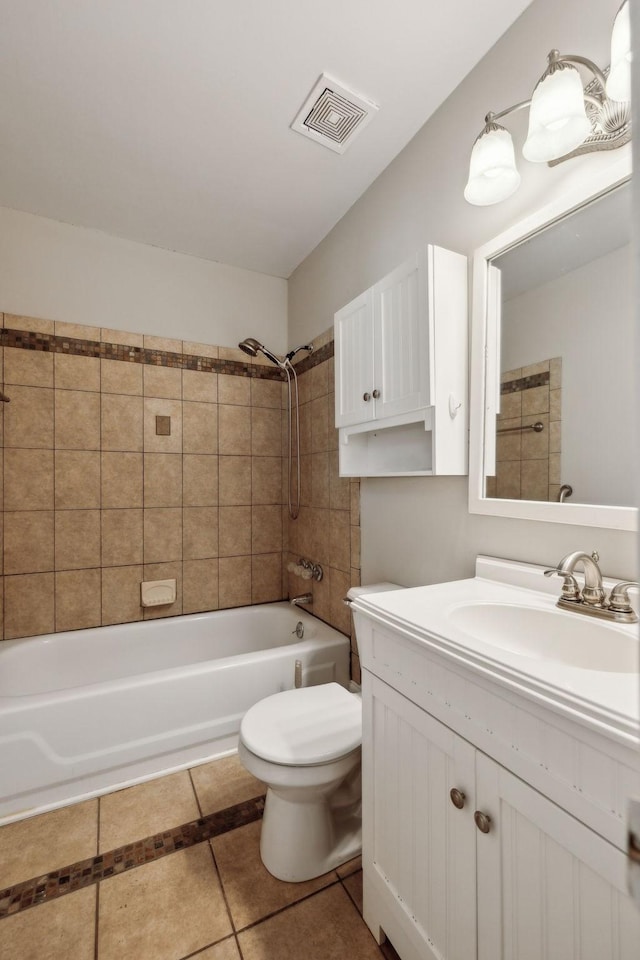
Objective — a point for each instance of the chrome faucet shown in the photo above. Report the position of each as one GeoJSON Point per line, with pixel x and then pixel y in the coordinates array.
{"type": "Point", "coordinates": [592, 599]}
{"type": "Point", "coordinates": [306, 599]}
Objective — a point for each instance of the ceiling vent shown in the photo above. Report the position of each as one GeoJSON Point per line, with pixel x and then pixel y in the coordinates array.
{"type": "Point", "coordinates": [333, 115]}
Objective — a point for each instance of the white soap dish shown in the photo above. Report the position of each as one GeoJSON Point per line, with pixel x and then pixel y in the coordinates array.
{"type": "Point", "coordinates": [156, 593]}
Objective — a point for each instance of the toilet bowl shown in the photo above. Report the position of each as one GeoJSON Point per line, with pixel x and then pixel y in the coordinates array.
{"type": "Point", "coordinates": [305, 745]}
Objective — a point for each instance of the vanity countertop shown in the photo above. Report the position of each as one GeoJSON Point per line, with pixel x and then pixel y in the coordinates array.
{"type": "Point", "coordinates": [455, 620]}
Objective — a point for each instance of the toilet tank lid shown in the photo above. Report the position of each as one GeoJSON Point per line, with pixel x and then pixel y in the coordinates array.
{"type": "Point", "coordinates": [304, 727]}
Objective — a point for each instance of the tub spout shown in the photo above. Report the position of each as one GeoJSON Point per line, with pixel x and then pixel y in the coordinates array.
{"type": "Point", "coordinates": [305, 599]}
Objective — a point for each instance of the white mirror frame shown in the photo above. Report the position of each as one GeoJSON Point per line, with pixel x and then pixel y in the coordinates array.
{"type": "Point", "coordinates": [592, 515]}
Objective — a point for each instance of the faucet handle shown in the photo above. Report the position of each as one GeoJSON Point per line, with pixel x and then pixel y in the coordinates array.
{"type": "Point", "coordinates": [570, 588]}
{"type": "Point", "coordinates": [619, 597]}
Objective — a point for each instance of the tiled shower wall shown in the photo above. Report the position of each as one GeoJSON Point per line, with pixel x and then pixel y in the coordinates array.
{"type": "Point", "coordinates": [327, 530]}
{"type": "Point", "coordinates": [97, 498]}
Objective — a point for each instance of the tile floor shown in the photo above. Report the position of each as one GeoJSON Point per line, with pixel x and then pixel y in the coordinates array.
{"type": "Point", "coordinates": [212, 901]}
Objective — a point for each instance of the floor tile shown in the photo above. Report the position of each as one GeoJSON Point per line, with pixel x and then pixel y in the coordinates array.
{"type": "Point", "coordinates": [29, 848]}
{"type": "Point", "coordinates": [323, 927]}
{"type": "Point", "coordinates": [351, 866]}
{"type": "Point", "coordinates": [164, 910]}
{"type": "Point", "coordinates": [227, 950]}
{"type": "Point", "coordinates": [353, 886]}
{"type": "Point", "coordinates": [251, 892]}
{"type": "Point", "coordinates": [52, 931]}
{"type": "Point", "coordinates": [148, 808]}
{"type": "Point", "coordinates": [224, 782]}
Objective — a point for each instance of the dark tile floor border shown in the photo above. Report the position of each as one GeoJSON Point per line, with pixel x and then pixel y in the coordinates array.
{"type": "Point", "coordinates": [84, 873]}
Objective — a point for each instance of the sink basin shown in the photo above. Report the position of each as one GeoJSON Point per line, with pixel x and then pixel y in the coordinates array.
{"type": "Point", "coordinates": [542, 634]}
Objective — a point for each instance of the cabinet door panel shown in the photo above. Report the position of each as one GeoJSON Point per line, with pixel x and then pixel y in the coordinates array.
{"type": "Point", "coordinates": [418, 847]}
{"type": "Point", "coordinates": [353, 343]}
{"type": "Point", "coordinates": [401, 322]}
{"type": "Point", "coordinates": [548, 887]}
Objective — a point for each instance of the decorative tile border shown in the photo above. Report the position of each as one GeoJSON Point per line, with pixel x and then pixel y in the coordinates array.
{"type": "Point", "coordinates": [525, 383]}
{"type": "Point", "coordinates": [70, 346]}
{"type": "Point", "coordinates": [84, 873]}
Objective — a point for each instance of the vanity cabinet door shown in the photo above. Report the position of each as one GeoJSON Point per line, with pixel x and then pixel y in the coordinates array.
{"type": "Point", "coordinates": [419, 849]}
{"type": "Point", "coordinates": [353, 344]}
{"type": "Point", "coordinates": [548, 886]}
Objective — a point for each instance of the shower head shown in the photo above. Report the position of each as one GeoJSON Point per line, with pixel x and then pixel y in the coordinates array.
{"type": "Point", "coordinates": [307, 346]}
{"type": "Point", "coordinates": [253, 348]}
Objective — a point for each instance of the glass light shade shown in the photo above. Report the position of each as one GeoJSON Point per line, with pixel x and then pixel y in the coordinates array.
{"type": "Point", "coordinates": [619, 79]}
{"type": "Point", "coordinates": [492, 171]}
{"type": "Point", "coordinates": [558, 122]}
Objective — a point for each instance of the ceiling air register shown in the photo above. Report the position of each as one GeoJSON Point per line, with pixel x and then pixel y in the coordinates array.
{"type": "Point", "coordinates": [333, 115]}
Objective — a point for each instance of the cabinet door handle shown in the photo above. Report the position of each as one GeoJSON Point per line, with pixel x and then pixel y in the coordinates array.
{"type": "Point", "coordinates": [376, 394]}
{"type": "Point", "coordinates": [366, 397]}
{"type": "Point", "coordinates": [457, 798]}
{"type": "Point", "coordinates": [483, 821]}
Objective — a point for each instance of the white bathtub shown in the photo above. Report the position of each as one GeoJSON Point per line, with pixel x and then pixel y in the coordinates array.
{"type": "Point", "coordinates": [89, 711]}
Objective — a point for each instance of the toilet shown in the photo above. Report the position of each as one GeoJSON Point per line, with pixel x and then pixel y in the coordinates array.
{"type": "Point", "coordinates": [305, 744]}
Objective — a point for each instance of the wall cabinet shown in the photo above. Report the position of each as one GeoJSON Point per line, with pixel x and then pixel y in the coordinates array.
{"type": "Point", "coordinates": [401, 370]}
{"type": "Point", "coordinates": [539, 883]}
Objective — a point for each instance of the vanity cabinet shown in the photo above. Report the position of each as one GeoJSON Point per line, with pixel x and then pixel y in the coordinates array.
{"type": "Point", "coordinates": [540, 883]}
{"type": "Point", "coordinates": [401, 370]}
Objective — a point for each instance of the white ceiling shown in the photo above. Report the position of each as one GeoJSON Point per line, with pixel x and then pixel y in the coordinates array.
{"type": "Point", "coordinates": [167, 121]}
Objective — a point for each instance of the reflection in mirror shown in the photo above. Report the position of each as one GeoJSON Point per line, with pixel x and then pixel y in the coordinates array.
{"type": "Point", "coordinates": [565, 427]}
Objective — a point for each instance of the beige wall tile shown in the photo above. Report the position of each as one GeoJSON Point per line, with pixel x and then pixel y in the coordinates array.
{"type": "Point", "coordinates": [234, 580]}
{"type": "Point", "coordinates": [354, 496]}
{"type": "Point", "coordinates": [266, 479]}
{"type": "Point", "coordinates": [508, 480]}
{"type": "Point", "coordinates": [339, 487]}
{"type": "Point", "coordinates": [76, 331]}
{"type": "Point", "coordinates": [306, 479]}
{"type": "Point", "coordinates": [356, 673]}
{"type": "Point", "coordinates": [200, 480]}
{"type": "Point", "coordinates": [555, 436]}
{"type": "Point", "coordinates": [162, 408]}
{"type": "Point", "coordinates": [266, 393]}
{"type": "Point", "coordinates": [77, 539]}
{"type": "Point", "coordinates": [235, 480]}
{"type": "Point", "coordinates": [77, 423]}
{"type": "Point", "coordinates": [535, 400]}
{"type": "Point", "coordinates": [28, 479]}
{"type": "Point", "coordinates": [199, 349]}
{"type": "Point", "coordinates": [121, 537]}
{"type": "Point", "coordinates": [28, 541]}
{"type": "Point", "coordinates": [555, 468]}
{"type": "Point", "coordinates": [109, 335]}
{"type": "Point", "coordinates": [355, 546]}
{"type": "Point", "coordinates": [320, 380]}
{"type": "Point", "coordinates": [200, 427]}
{"type": "Point", "coordinates": [305, 428]}
{"type": "Point", "coordinates": [320, 479]}
{"type": "Point", "coordinates": [321, 595]}
{"type": "Point", "coordinates": [534, 484]}
{"type": "Point", "coordinates": [121, 423]}
{"type": "Point", "coordinates": [234, 531]}
{"type": "Point", "coordinates": [532, 369]}
{"type": "Point", "coordinates": [332, 433]}
{"type": "Point", "coordinates": [304, 387]}
{"type": "Point", "coordinates": [555, 404]}
{"type": "Point", "coordinates": [162, 534]}
{"type": "Point", "coordinates": [266, 529]}
{"type": "Point", "coordinates": [555, 373]}
{"type": "Point", "coordinates": [266, 432]}
{"type": "Point", "coordinates": [78, 600]}
{"type": "Point", "coordinates": [319, 424]}
{"type": "Point", "coordinates": [28, 605]}
{"type": "Point", "coordinates": [508, 375]}
{"type": "Point", "coordinates": [163, 382]}
{"type": "Point", "coordinates": [509, 445]}
{"type": "Point", "coordinates": [118, 376]}
{"type": "Point", "coordinates": [121, 480]}
{"type": "Point", "coordinates": [266, 578]}
{"type": "Point", "coordinates": [535, 446]}
{"type": "Point", "coordinates": [340, 614]}
{"type": "Point", "coordinates": [121, 594]}
{"type": "Point", "coordinates": [200, 385]}
{"type": "Point", "coordinates": [510, 405]}
{"type": "Point", "coordinates": [162, 343]}
{"type": "Point", "coordinates": [339, 540]}
{"type": "Point", "coordinates": [76, 373]}
{"type": "Point", "coordinates": [554, 491]}
{"type": "Point", "coordinates": [34, 324]}
{"type": "Point", "coordinates": [31, 368]}
{"type": "Point", "coordinates": [200, 536]}
{"type": "Point", "coordinates": [162, 480]}
{"type": "Point", "coordinates": [234, 390]}
{"type": "Point", "coordinates": [200, 587]}
{"type": "Point", "coordinates": [28, 419]}
{"type": "Point", "coordinates": [234, 437]}
{"type": "Point", "coordinates": [77, 479]}
{"type": "Point", "coordinates": [233, 353]}
{"type": "Point", "coordinates": [164, 571]}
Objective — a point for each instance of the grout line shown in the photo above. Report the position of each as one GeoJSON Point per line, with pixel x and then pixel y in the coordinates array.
{"type": "Point", "coordinates": [84, 873]}
{"type": "Point", "coordinates": [287, 906]}
{"type": "Point", "coordinates": [97, 922]}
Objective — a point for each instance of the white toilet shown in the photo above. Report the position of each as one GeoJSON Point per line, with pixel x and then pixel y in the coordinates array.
{"type": "Point", "coordinates": [305, 744]}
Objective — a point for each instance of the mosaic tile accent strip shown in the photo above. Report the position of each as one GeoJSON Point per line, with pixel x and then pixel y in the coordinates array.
{"type": "Point", "coordinates": [313, 359]}
{"type": "Point", "coordinates": [70, 346]}
{"type": "Point", "coordinates": [84, 873]}
{"type": "Point", "coordinates": [525, 383]}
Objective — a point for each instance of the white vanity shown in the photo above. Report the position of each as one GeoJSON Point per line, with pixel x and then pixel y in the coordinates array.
{"type": "Point", "coordinates": [499, 752]}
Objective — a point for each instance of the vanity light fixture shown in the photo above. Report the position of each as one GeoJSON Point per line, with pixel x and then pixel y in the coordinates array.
{"type": "Point", "coordinates": [565, 119]}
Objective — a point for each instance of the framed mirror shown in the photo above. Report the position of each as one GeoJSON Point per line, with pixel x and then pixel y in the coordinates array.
{"type": "Point", "coordinates": [553, 396]}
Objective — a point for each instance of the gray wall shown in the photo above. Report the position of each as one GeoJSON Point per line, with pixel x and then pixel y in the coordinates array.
{"type": "Point", "coordinates": [419, 530]}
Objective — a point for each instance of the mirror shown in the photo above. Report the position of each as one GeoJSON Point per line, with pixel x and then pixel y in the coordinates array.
{"type": "Point", "coordinates": [553, 366]}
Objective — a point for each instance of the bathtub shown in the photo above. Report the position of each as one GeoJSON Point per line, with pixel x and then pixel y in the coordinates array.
{"type": "Point", "coordinates": [89, 711]}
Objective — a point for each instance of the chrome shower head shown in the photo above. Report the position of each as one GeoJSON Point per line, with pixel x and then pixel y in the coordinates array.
{"type": "Point", "coordinates": [253, 347]}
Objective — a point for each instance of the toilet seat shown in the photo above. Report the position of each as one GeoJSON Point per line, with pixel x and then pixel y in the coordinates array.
{"type": "Point", "coordinates": [304, 727]}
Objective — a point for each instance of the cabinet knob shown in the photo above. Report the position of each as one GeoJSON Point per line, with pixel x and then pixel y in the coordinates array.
{"type": "Point", "coordinates": [366, 397]}
{"type": "Point", "coordinates": [376, 394]}
{"type": "Point", "coordinates": [483, 821]}
{"type": "Point", "coordinates": [457, 798]}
